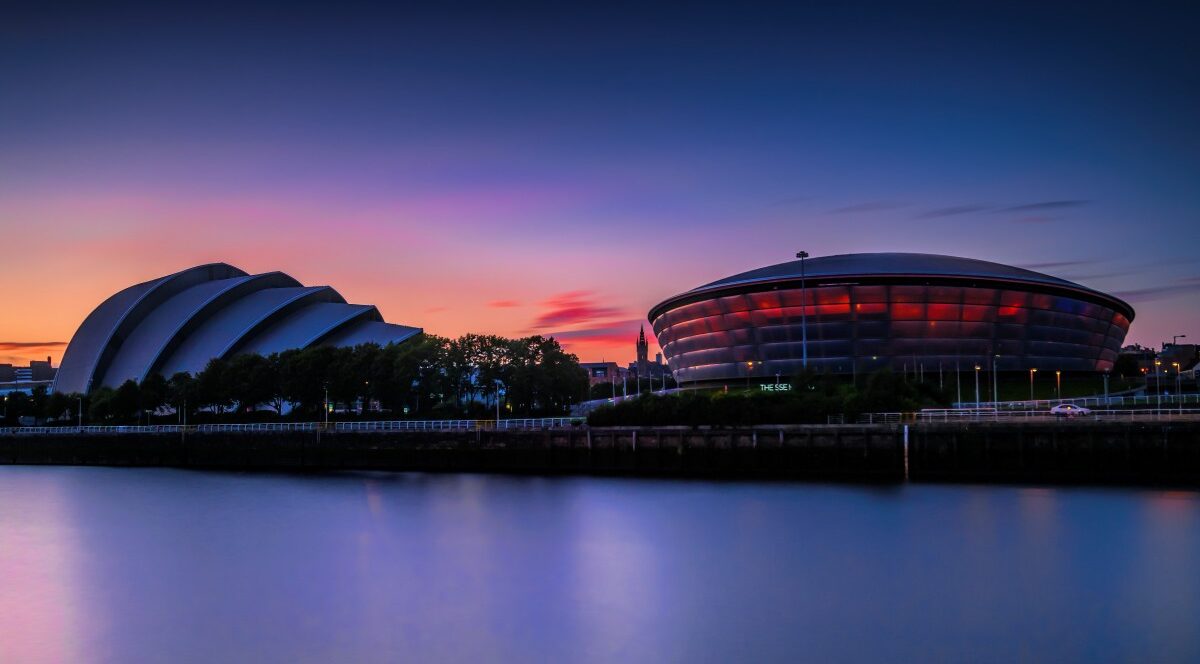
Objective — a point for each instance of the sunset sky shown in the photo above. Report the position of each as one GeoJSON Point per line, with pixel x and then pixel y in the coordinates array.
{"type": "Point", "coordinates": [559, 169]}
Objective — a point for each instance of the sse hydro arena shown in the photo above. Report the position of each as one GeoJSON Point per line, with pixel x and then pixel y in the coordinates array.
{"type": "Point", "coordinates": [866, 312]}
{"type": "Point", "coordinates": [181, 321]}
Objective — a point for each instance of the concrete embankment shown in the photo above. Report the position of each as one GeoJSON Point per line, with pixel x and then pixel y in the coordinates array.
{"type": "Point", "coordinates": [1087, 452]}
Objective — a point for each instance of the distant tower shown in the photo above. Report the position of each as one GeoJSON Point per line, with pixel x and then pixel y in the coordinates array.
{"type": "Point", "coordinates": [643, 353]}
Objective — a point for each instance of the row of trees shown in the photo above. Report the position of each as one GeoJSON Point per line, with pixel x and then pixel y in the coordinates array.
{"type": "Point", "coordinates": [428, 376]}
{"type": "Point", "coordinates": [812, 400]}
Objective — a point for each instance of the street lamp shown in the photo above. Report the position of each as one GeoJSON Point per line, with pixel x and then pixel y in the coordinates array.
{"type": "Point", "coordinates": [1176, 337]}
{"type": "Point", "coordinates": [1178, 387]}
{"type": "Point", "coordinates": [976, 387]}
{"type": "Point", "coordinates": [803, 313]}
{"type": "Point", "coordinates": [1158, 382]}
{"type": "Point", "coordinates": [1058, 383]}
{"type": "Point", "coordinates": [1031, 372]}
{"type": "Point", "coordinates": [499, 385]}
{"type": "Point", "coordinates": [749, 370]}
{"type": "Point", "coordinates": [995, 385]}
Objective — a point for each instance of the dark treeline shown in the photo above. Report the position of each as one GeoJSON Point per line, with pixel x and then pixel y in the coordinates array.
{"type": "Point", "coordinates": [425, 377]}
{"type": "Point", "coordinates": [814, 398]}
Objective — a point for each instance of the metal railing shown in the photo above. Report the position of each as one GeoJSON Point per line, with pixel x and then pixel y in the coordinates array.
{"type": "Point", "coordinates": [388, 425]}
{"type": "Point", "coordinates": [1094, 401]}
{"type": "Point", "coordinates": [1017, 416]}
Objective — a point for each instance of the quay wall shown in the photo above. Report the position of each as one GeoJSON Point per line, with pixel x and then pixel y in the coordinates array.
{"type": "Point", "coordinates": [1068, 452]}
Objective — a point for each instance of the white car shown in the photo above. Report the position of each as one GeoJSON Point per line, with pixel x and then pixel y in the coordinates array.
{"type": "Point", "coordinates": [1069, 410]}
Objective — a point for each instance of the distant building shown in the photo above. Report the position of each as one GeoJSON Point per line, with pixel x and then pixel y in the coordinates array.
{"type": "Point", "coordinates": [39, 370]}
{"type": "Point", "coordinates": [603, 372]}
{"type": "Point", "coordinates": [1142, 356]}
{"type": "Point", "coordinates": [181, 321]}
{"type": "Point", "coordinates": [643, 367]}
{"type": "Point", "coordinates": [25, 379]}
{"type": "Point", "coordinates": [868, 312]}
{"type": "Point", "coordinates": [1183, 354]}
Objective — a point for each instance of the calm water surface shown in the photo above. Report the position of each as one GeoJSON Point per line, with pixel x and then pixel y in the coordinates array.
{"type": "Point", "coordinates": [131, 565]}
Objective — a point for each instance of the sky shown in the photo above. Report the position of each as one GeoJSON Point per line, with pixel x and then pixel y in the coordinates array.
{"type": "Point", "coordinates": [560, 168]}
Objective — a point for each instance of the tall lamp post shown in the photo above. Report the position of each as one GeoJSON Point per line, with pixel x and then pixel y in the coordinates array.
{"type": "Point", "coordinates": [1058, 383]}
{"type": "Point", "coordinates": [803, 313]}
{"type": "Point", "coordinates": [1178, 387]}
{"type": "Point", "coordinates": [1158, 382]}
{"type": "Point", "coordinates": [995, 385]}
{"type": "Point", "coordinates": [499, 386]}
{"type": "Point", "coordinates": [1176, 337]}
{"type": "Point", "coordinates": [977, 388]}
{"type": "Point", "coordinates": [1031, 372]}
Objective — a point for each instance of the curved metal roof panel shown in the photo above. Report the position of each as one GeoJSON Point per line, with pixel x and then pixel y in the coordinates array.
{"type": "Point", "coordinates": [306, 326]}
{"type": "Point", "coordinates": [227, 326]}
{"type": "Point", "coordinates": [80, 357]}
{"type": "Point", "coordinates": [370, 332]}
{"type": "Point", "coordinates": [106, 328]}
{"type": "Point", "coordinates": [138, 352]}
{"type": "Point", "coordinates": [849, 265]}
{"type": "Point", "coordinates": [183, 320]}
{"type": "Point", "coordinates": [874, 265]}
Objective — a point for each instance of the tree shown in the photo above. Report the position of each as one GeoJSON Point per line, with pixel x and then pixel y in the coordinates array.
{"type": "Point", "coordinates": [251, 380]}
{"type": "Point", "coordinates": [182, 395]}
{"type": "Point", "coordinates": [1127, 366]}
{"type": "Point", "coordinates": [152, 393]}
{"type": "Point", "coordinates": [126, 401]}
{"type": "Point", "coordinates": [212, 386]}
{"type": "Point", "coordinates": [100, 405]}
{"type": "Point", "coordinates": [16, 406]}
{"type": "Point", "coordinates": [60, 406]}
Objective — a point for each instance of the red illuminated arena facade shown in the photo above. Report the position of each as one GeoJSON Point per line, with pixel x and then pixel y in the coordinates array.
{"type": "Point", "coordinates": [867, 312]}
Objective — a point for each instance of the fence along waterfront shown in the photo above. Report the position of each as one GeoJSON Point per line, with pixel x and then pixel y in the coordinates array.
{"type": "Point", "coordinates": [389, 425]}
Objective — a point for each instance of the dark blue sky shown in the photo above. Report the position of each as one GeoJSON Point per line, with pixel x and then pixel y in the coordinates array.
{"type": "Point", "coordinates": [622, 151]}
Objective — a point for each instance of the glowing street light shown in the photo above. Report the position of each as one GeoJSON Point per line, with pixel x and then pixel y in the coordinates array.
{"type": "Point", "coordinates": [803, 313]}
{"type": "Point", "coordinates": [1031, 372]}
{"type": "Point", "coordinates": [1058, 383]}
{"type": "Point", "coordinates": [1178, 386]}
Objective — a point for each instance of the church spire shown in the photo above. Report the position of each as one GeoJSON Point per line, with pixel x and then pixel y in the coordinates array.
{"type": "Point", "coordinates": [643, 352]}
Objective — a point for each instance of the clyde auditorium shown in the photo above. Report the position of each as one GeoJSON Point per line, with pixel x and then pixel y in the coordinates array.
{"type": "Point", "coordinates": [181, 321]}
{"type": "Point", "coordinates": [865, 312]}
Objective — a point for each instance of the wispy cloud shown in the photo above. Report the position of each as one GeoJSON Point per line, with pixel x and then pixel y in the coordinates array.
{"type": "Point", "coordinates": [1180, 286]}
{"type": "Point", "coordinates": [574, 308]}
{"type": "Point", "coordinates": [1055, 264]}
{"type": "Point", "coordinates": [952, 211]}
{"type": "Point", "coordinates": [31, 345]}
{"type": "Point", "coordinates": [1044, 205]}
{"type": "Point", "coordinates": [616, 334]}
{"type": "Point", "coordinates": [503, 304]}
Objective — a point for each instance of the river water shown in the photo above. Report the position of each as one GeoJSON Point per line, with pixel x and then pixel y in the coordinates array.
{"type": "Point", "coordinates": [153, 565]}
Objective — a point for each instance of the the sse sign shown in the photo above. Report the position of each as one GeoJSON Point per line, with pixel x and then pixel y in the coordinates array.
{"type": "Point", "coordinates": [776, 387]}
